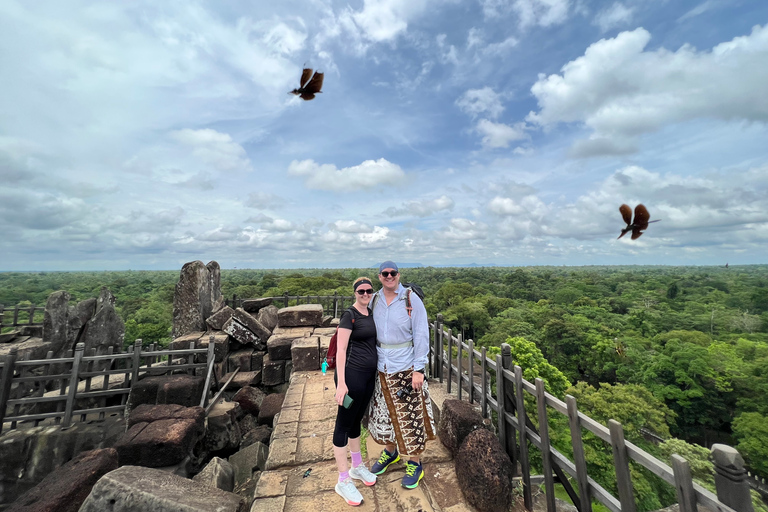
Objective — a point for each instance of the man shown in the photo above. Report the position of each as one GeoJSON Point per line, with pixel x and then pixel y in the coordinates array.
{"type": "Point", "coordinates": [400, 412]}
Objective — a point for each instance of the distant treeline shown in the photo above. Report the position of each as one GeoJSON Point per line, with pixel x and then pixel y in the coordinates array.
{"type": "Point", "coordinates": [683, 349]}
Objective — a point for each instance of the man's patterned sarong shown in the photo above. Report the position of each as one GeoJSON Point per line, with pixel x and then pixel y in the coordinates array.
{"type": "Point", "coordinates": [406, 422]}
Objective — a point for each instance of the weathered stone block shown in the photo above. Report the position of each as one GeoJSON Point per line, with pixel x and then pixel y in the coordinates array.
{"type": "Point", "coordinates": [257, 360]}
{"type": "Point", "coordinates": [252, 324]}
{"type": "Point", "coordinates": [150, 413]}
{"type": "Point", "coordinates": [250, 399]}
{"type": "Point", "coordinates": [243, 379]}
{"type": "Point", "coordinates": [217, 320]}
{"type": "Point", "coordinates": [270, 407]}
{"type": "Point", "coordinates": [241, 333]}
{"type": "Point", "coordinates": [133, 488]}
{"type": "Point", "coordinates": [273, 372]}
{"type": "Point", "coordinates": [457, 420]}
{"type": "Point", "coordinates": [305, 314]}
{"type": "Point", "coordinates": [66, 488]}
{"type": "Point", "coordinates": [487, 486]}
{"type": "Point", "coordinates": [223, 433]}
{"type": "Point", "coordinates": [158, 444]}
{"type": "Point", "coordinates": [305, 354]}
{"type": "Point", "coordinates": [240, 359]}
{"type": "Point", "coordinates": [254, 305]}
{"type": "Point", "coordinates": [144, 392]}
{"type": "Point", "coordinates": [325, 342]}
{"type": "Point", "coordinates": [221, 345]}
{"type": "Point", "coordinates": [186, 390]}
{"type": "Point", "coordinates": [34, 331]}
{"type": "Point", "coordinates": [279, 347]}
{"type": "Point", "coordinates": [268, 317]}
{"type": "Point", "coordinates": [293, 332]}
{"type": "Point", "coordinates": [261, 434]}
{"type": "Point", "coordinates": [248, 460]}
{"type": "Point", "coordinates": [218, 473]}
{"type": "Point", "coordinates": [191, 299]}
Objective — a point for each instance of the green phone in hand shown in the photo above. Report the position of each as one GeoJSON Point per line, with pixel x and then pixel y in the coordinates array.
{"type": "Point", "coordinates": [347, 401]}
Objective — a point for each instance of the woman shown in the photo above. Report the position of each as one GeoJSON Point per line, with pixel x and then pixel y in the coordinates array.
{"type": "Point", "coordinates": [356, 372]}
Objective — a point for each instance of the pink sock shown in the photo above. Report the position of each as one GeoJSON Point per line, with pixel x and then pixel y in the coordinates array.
{"type": "Point", "coordinates": [357, 459]}
{"type": "Point", "coordinates": [343, 476]}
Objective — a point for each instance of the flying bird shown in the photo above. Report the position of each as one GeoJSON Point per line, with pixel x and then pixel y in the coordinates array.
{"type": "Point", "coordinates": [309, 85]}
{"type": "Point", "coordinates": [641, 220]}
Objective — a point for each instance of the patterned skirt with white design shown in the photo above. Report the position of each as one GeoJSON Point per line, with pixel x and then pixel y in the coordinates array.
{"type": "Point", "coordinates": [407, 422]}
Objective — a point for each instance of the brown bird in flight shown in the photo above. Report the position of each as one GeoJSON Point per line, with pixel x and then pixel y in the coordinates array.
{"type": "Point", "coordinates": [641, 220]}
{"type": "Point", "coordinates": [308, 88]}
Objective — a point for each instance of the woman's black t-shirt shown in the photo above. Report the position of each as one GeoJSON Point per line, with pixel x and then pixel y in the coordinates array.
{"type": "Point", "coordinates": [361, 352]}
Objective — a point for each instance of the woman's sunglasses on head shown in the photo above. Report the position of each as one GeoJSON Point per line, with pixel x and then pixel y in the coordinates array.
{"type": "Point", "coordinates": [369, 291]}
{"type": "Point", "coordinates": [387, 273]}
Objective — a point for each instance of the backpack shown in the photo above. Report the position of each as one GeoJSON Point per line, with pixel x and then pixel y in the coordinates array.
{"type": "Point", "coordinates": [330, 357]}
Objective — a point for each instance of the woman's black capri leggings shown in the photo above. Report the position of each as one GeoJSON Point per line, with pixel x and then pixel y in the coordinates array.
{"type": "Point", "coordinates": [360, 384]}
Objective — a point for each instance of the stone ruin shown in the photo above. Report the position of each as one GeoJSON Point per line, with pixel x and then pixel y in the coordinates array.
{"type": "Point", "coordinates": [169, 441]}
{"type": "Point", "coordinates": [93, 322]}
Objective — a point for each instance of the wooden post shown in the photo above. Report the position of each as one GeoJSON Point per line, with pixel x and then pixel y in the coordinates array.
{"type": "Point", "coordinates": [483, 375]}
{"type": "Point", "coordinates": [450, 360]}
{"type": "Point", "coordinates": [209, 369]}
{"type": "Point", "coordinates": [335, 305]}
{"type": "Point", "coordinates": [5, 382]}
{"type": "Point", "coordinates": [686, 496]}
{"type": "Point", "coordinates": [524, 462]}
{"type": "Point", "coordinates": [105, 382]}
{"type": "Point", "coordinates": [546, 452]}
{"type": "Point", "coordinates": [31, 314]}
{"type": "Point", "coordinates": [89, 366]}
{"type": "Point", "coordinates": [2, 318]}
{"type": "Point", "coordinates": [286, 299]}
{"type": "Point", "coordinates": [471, 370]}
{"type": "Point", "coordinates": [16, 316]}
{"type": "Point", "coordinates": [191, 357]}
{"type": "Point", "coordinates": [579, 459]}
{"type": "Point", "coordinates": [460, 378]}
{"type": "Point", "coordinates": [731, 478]}
{"type": "Point", "coordinates": [73, 382]}
{"type": "Point", "coordinates": [621, 464]}
{"type": "Point", "coordinates": [136, 361]}
{"type": "Point", "coordinates": [500, 394]}
{"type": "Point", "coordinates": [439, 347]}
{"type": "Point", "coordinates": [509, 404]}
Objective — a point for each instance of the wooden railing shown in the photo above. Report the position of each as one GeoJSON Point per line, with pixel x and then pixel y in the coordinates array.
{"type": "Point", "coordinates": [20, 315]}
{"type": "Point", "coordinates": [516, 430]}
{"type": "Point", "coordinates": [332, 304]}
{"type": "Point", "coordinates": [86, 379]}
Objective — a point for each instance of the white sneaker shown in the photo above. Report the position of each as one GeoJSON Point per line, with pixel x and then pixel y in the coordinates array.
{"type": "Point", "coordinates": [349, 492]}
{"type": "Point", "coordinates": [361, 473]}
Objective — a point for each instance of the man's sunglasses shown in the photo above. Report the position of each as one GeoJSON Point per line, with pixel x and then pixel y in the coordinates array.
{"type": "Point", "coordinates": [387, 273]}
{"type": "Point", "coordinates": [369, 291]}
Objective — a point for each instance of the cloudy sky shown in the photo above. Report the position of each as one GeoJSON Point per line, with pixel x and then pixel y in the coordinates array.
{"type": "Point", "coordinates": [145, 134]}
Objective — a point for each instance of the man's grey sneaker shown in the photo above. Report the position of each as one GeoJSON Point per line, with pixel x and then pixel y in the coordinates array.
{"type": "Point", "coordinates": [361, 473]}
{"type": "Point", "coordinates": [384, 461]}
{"type": "Point", "coordinates": [349, 492]}
{"type": "Point", "coordinates": [413, 475]}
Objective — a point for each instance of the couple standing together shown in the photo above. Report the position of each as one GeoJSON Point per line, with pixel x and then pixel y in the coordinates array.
{"type": "Point", "coordinates": [382, 350]}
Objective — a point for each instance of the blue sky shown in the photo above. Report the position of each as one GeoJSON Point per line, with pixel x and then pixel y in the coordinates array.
{"type": "Point", "coordinates": [142, 135]}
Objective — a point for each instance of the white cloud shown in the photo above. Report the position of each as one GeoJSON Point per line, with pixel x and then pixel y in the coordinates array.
{"type": "Point", "coordinates": [614, 16]}
{"type": "Point", "coordinates": [541, 12]}
{"type": "Point", "coordinates": [351, 226]}
{"type": "Point", "coordinates": [369, 174]}
{"type": "Point", "coordinates": [505, 206]}
{"type": "Point", "coordinates": [384, 20]}
{"type": "Point", "coordinates": [499, 135]}
{"type": "Point", "coordinates": [379, 234]}
{"type": "Point", "coordinates": [214, 148]}
{"type": "Point", "coordinates": [422, 208]}
{"type": "Point", "coordinates": [264, 200]}
{"type": "Point", "coordinates": [465, 229]}
{"type": "Point", "coordinates": [621, 91]}
{"type": "Point", "coordinates": [475, 102]}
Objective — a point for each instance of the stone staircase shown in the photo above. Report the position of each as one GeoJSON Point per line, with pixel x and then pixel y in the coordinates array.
{"type": "Point", "coordinates": [301, 472]}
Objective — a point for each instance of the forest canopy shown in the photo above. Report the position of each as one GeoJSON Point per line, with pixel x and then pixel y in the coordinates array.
{"type": "Point", "coordinates": [690, 341]}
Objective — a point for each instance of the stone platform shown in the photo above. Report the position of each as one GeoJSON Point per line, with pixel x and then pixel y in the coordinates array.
{"type": "Point", "coordinates": [302, 442]}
